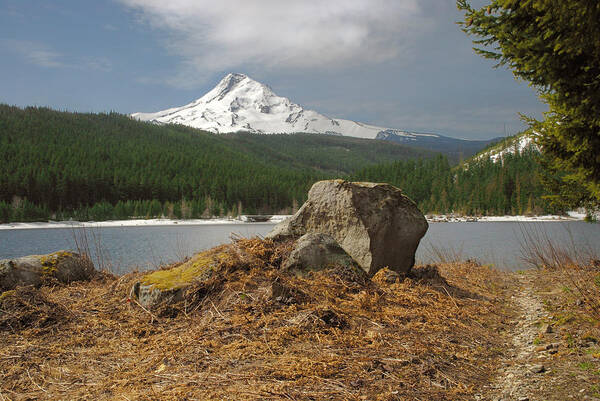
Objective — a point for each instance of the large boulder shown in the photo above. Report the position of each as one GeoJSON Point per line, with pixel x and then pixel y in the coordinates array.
{"type": "Point", "coordinates": [63, 266]}
{"type": "Point", "coordinates": [374, 223]}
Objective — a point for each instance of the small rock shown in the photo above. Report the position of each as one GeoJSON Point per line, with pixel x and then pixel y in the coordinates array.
{"type": "Point", "coordinates": [538, 369]}
{"type": "Point", "coordinates": [523, 398]}
{"type": "Point", "coordinates": [167, 286]}
{"type": "Point", "coordinates": [64, 266]}
{"type": "Point", "coordinates": [540, 348]}
{"type": "Point", "coordinates": [317, 251]}
{"type": "Point", "coordinates": [386, 276]}
{"type": "Point", "coordinates": [546, 329]}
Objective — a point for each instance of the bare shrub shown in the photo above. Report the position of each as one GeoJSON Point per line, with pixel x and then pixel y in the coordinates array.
{"type": "Point", "coordinates": [578, 264]}
{"type": "Point", "coordinates": [444, 254]}
{"type": "Point", "coordinates": [88, 243]}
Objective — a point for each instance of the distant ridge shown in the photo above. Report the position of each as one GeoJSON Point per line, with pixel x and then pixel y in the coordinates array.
{"type": "Point", "coordinates": [452, 147]}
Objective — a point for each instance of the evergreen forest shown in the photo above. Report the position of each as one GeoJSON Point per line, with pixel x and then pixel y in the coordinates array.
{"type": "Point", "coordinates": [83, 166]}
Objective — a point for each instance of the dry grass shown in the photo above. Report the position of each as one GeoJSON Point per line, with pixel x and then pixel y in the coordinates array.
{"type": "Point", "coordinates": [540, 250]}
{"type": "Point", "coordinates": [575, 367]}
{"type": "Point", "coordinates": [254, 332]}
{"type": "Point", "coordinates": [577, 267]}
{"type": "Point", "coordinates": [445, 254]}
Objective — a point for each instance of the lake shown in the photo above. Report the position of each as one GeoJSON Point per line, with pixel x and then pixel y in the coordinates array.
{"type": "Point", "coordinates": [122, 249]}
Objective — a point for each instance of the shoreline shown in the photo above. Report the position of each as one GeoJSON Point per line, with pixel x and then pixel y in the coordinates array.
{"type": "Point", "coordinates": [132, 223]}
{"type": "Point", "coordinates": [572, 216]}
{"type": "Point", "coordinates": [273, 220]}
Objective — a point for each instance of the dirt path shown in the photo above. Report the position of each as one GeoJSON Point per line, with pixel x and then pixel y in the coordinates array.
{"type": "Point", "coordinates": [522, 372]}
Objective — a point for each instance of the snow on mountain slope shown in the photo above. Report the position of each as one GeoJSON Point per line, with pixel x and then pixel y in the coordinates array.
{"type": "Point", "coordinates": [239, 103]}
{"type": "Point", "coordinates": [513, 145]}
{"type": "Point", "coordinates": [395, 134]}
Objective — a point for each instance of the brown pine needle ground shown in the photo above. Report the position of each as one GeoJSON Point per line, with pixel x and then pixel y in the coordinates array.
{"type": "Point", "coordinates": [257, 333]}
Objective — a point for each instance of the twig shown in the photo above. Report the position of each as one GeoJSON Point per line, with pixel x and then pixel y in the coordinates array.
{"type": "Point", "coordinates": [217, 310]}
{"type": "Point", "coordinates": [154, 317]}
{"type": "Point", "coordinates": [33, 381]}
{"type": "Point", "coordinates": [267, 343]}
{"type": "Point", "coordinates": [452, 299]}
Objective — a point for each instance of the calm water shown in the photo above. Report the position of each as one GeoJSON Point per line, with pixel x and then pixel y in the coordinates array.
{"type": "Point", "coordinates": [501, 243]}
{"type": "Point", "coordinates": [125, 248]}
{"type": "Point", "coordinates": [122, 249]}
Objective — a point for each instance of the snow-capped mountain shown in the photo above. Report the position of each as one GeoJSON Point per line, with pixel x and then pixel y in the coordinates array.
{"type": "Point", "coordinates": [239, 103]}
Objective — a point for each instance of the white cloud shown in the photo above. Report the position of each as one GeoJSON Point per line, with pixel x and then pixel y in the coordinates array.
{"type": "Point", "coordinates": [97, 63]}
{"type": "Point", "coordinates": [35, 53]}
{"type": "Point", "coordinates": [213, 36]}
{"type": "Point", "coordinates": [43, 56]}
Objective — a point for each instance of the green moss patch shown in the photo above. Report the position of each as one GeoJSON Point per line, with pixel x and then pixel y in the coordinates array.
{"type": "Point", "coordinates": [50, 262]}
{"type": "Point", "coordinates": [200, 267]}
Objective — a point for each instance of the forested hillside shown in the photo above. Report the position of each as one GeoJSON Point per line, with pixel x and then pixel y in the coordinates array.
{"type": "Point", "coordinates": [480, 187]}
{"type": "Point", "coordinates": [63, 165]}
{"type": "Point", "coordinates": [58, 164]}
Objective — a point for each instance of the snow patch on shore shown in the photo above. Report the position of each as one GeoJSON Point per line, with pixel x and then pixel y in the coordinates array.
{"type": "Point", "coordinates": [489, 219]}
{"type": "Point", "coordinates": [130, 223]}
{"type": "Point", "coordinates": [572, 216]}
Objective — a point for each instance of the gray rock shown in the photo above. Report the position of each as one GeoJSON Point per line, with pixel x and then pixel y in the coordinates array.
{"type": "Point", "coordinates": [316, 251]}
{"type": "Point", "coordinates": [63, 266]}
{"type": "Point", "coordinates": [374, 223]}
{"type": "Point", "coordinates": [167, 286]}
{"type": "Point", "coordinates": [148, 295]}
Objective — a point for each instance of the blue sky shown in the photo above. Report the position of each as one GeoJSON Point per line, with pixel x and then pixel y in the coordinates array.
{"type": "Point", "coordinates": [397, 63]}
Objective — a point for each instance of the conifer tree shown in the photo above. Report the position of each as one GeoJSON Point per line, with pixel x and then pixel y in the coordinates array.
{"type": "Point", "coordinates": [555, 46]}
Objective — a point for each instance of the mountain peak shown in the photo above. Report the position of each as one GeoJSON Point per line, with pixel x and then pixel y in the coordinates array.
{"type": "Point", "coordinates": [236, 75]}
{"type": "Point", "coordinates": [232, 79]}
{"type": "Point", "coordinates": [227, 84]}
{"type": "Point", "coordinates": [239, 103]}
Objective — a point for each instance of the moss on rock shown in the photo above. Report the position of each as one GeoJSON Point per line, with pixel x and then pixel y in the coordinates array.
{"type": "Point", "coordinates": [51, 261]}
{"type": "Point", "coordinates": [35, 270]}
{"type": "Point", "coordinates": [200, 267]}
